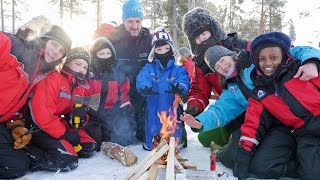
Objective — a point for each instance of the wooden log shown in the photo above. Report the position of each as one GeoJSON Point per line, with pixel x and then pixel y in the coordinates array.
{"type": "Point", "coordinates": [153, 172]}
{"type": "Point", "coordinates": [188, 165]}
{"type": "Point", "coordinates": [170, 160]}
{"type": "Point", "coordinates": [179, 168]}
{"type": "Point", "coordinates": [118, 152]}
{"type": "Point", "coordinates": [154, 155]}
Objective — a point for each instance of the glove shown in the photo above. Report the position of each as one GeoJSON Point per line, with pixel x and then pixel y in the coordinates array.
{"type": "Point", "coordinates": [148, 91]}
{"type": "Point", "coordinates": [81, 113]}
{"type": "Point", "coordinates": [19, 134]}
{"type": "Point", "coordinates": [242, 163]}
{"type": "Point", "coordinates": [175, 89]}
{"type": "Point", "coordinates": [192, 110]}
{"type": "Point", "coordinates": [72, 137]}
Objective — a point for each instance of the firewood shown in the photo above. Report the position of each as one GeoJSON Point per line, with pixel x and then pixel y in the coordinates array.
{"type": "Point", "coordinates": [188, 165]}
{"type": "Point", "coordinates": [120, 153]}
{"type": "Point", "coordinates": [179, 168]}
{"type": "Point", "coordinates": [153, 172]}
{"type": "Point", "coordinates": [170, 160]}
{"type": "Point", "coordinates": [154, 155]}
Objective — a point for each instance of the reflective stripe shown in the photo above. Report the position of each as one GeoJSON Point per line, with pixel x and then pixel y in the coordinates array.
{"type": "Point", "coordinates": [124, 104]}
{"type": "Point", "coordinates": [65, 95]}
{"type": "Point", "coordinates": [245, 138]}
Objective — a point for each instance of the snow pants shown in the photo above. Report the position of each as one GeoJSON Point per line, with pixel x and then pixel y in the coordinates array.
{"type": "Point", "coordinates": [308, 154]}
{"type": "Point", "coordinates": [13, 163]}
{"type": "Point", "coordinates": [50, 154]}
{"type": "Point", "coordinates": [139, 104]}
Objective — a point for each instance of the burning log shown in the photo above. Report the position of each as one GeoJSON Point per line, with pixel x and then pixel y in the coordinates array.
{"type": "Point", "coordinates": [118, 152]}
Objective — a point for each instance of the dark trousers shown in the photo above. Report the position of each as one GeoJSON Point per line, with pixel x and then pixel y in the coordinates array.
{"type": "Point", "coordinates": [276, 155]}
{"type": "Point", "coordinates": [50, 154]}
{"type": "Point", "coordinates": [13, 163]}
{"type": "Point", "coordinates": [140, 105]}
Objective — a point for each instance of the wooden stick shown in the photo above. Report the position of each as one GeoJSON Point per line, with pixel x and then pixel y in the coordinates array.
{"type": "Point", "coordinates": [162, 143]}
{"type": "Point", "coordinates": [170, 160]}
{"type": "Point", "coordinates": [153, 172]}
{"type": "Point", "coordinates": [178, 166]}
{"type": "Point", "coordinates": [143, 166]}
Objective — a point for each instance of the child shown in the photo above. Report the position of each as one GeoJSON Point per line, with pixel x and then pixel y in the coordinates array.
{"type": "Point", "coordinates": [54, 137]}
{"type": "Point", "coordinates": [114, 120]}
{"type": "Point", "coordinates": [159, 81]}
{"type": "Point", "coordinates": [184, 58]}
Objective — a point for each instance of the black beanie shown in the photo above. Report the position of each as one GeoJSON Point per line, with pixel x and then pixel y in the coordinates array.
{"type": "Point", "coordinates": [198, 19]}
{"type": "Point", "coordinates": [214, 53]}
{"type": "Point", "coordinates": [58, 34]}
{"type": "Point", "coordinates": [78, 53]}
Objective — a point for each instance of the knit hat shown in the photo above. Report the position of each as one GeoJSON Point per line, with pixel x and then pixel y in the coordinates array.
{"type": "Point", "coordinates": [78, 53]}
{"type": "Point", "coordinates": [159, 36]}
{"type": "Point", "coordinates": [271, 39]}
{"type": "Point", "coordinates": [132, 8]}
{"type": "Point", "coordinates": [197, 19]}
{"type": "Point", "coordinates": [214, 53]}
{"type": "Point", "coordinates": [184, 51]}
{"type": "Point", "coordinates": [103, 30]}
{"type": "Point", "coordinates": [58, 34]}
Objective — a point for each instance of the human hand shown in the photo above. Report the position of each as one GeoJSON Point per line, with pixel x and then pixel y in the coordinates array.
{"type": "Point", "coordinates": [19, 134]}
{"type": "Point", "coordinates": [307, 71]}
{"type": "Point", "coordinates": [192, 110]}
{"type": "Point", "coordinates": [190, 121]}
{"type": "Point", "coordinates": [148, 91]}
{"type": "Point", "coordinates": [175, 89]}
{"type": "Point", "coordinates": [72, 137]}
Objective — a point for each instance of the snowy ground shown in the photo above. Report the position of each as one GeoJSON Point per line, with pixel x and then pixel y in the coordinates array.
{"type": "Point", "coordinates": [101, 167]}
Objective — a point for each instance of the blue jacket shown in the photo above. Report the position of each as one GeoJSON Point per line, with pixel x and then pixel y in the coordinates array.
{"type": "Point", "coordinates": [152, 75]}
{"type": "Point", "coordinates": [232, 103]}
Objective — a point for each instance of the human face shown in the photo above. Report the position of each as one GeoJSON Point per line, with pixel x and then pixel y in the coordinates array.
{"type": "Point", "coordinates": [78, 65]}
{"type": "Point", "coordinates": [269, 59]}
{"type": "Point", "coordinates": [133, 26]}
{"type": "Point", "coordinates": [203, 37]}
{"type": "Point", "coordinates": [53, 51]}
{"type": "Point", "coordinates": [104, 53]}
{"type": "Point", "coordinates": [162, 49]}
{"type": "Point", "coordinates": [224, 65]}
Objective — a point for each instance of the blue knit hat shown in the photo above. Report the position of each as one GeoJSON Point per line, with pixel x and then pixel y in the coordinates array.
{"type": "Point", "coordinates": [132, 8]}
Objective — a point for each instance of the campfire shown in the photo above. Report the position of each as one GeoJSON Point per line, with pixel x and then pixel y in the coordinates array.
{"type": "Point", "coordinates": [165, 150]}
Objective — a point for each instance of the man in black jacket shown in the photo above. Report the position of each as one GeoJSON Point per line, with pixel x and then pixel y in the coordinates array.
{"type": "Point", "coordinates": [132, 43]}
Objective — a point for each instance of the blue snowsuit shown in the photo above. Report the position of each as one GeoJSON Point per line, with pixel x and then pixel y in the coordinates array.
{"type": "Point", "coordinates": [153, 75]}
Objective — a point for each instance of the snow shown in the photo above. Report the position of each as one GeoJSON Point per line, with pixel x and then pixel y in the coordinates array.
{"type": "Point", "coordinates": [101, 167]}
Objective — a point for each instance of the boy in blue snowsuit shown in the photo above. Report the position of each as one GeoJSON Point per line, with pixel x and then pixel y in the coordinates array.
{"type": "Point", "coordinates": [160, 80]}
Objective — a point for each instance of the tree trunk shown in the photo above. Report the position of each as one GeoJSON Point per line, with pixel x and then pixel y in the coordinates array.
{"type": "Point", "coordinates": [174, 27]}
{"type": "Point", "coordinates": [61, 13]}
{"type": "Point", "coordinates": [71, 9]}
{"type": "Point", "coordinates": [2, 16]}
{"type": "Point", "coordinates": [13, 16]}
{"type": "Point", "coordinates": [98, 13]}
{"type": "Point", "coordinates": [262, 23]}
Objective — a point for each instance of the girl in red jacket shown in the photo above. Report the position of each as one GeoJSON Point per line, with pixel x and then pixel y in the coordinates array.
{"type": "Point", "coordinates": [52, 111]}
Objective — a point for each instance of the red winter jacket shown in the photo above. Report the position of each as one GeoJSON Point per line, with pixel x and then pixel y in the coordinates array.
{"type": "Point", "coordinates": [189, 65]}
{"type": "Point", "coordinates": [15, 86]}
{"type": "Point", "coordinates": [53, 97]}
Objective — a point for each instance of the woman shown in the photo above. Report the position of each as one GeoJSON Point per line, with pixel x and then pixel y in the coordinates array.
{"type": "Point", "coordinates": [52, 110]}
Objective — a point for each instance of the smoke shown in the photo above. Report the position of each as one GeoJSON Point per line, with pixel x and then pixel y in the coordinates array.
{"type": "Point", "coordinates": [118, 125]}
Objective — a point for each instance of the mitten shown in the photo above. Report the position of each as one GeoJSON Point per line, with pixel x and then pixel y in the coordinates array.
{"type": "Point", "coordinates": [175, 89]}
{"type": "Point", "coordinates": [81, 113]}
{"type": "Point", "coordinates": [19, 134]}
{"type": "Point", "coordinates": [72, 137]}
{"type": "Point", "coordinates": [192, 110]}
{"type": "Point", "coordinates": [148, 91]}
{"type": "Point", "coordinates": [242, 163]}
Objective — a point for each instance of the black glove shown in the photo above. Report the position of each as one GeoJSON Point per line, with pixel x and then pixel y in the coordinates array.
{"type": "Point", "coordinates": [148, 91]}
{"type": "Point", "coordinates": [175, 89]}
{"type": "Point", "coordinates": [242, 163]}
{"type": "Point", "coordinates": [192, 110]}
{"type": "Point", "coordinates": [72, 137]}
{"type": "Point", "coordinates": [81, 113]}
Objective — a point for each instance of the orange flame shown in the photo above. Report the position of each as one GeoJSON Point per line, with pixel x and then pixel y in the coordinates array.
{"type": "Point", "coordinates": [169, 122]}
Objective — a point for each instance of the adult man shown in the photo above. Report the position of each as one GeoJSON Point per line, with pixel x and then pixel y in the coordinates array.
{"type": "Point", "coordinates": [132, 43]}
{"type": "Point", "coordinates": [23, 64]}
